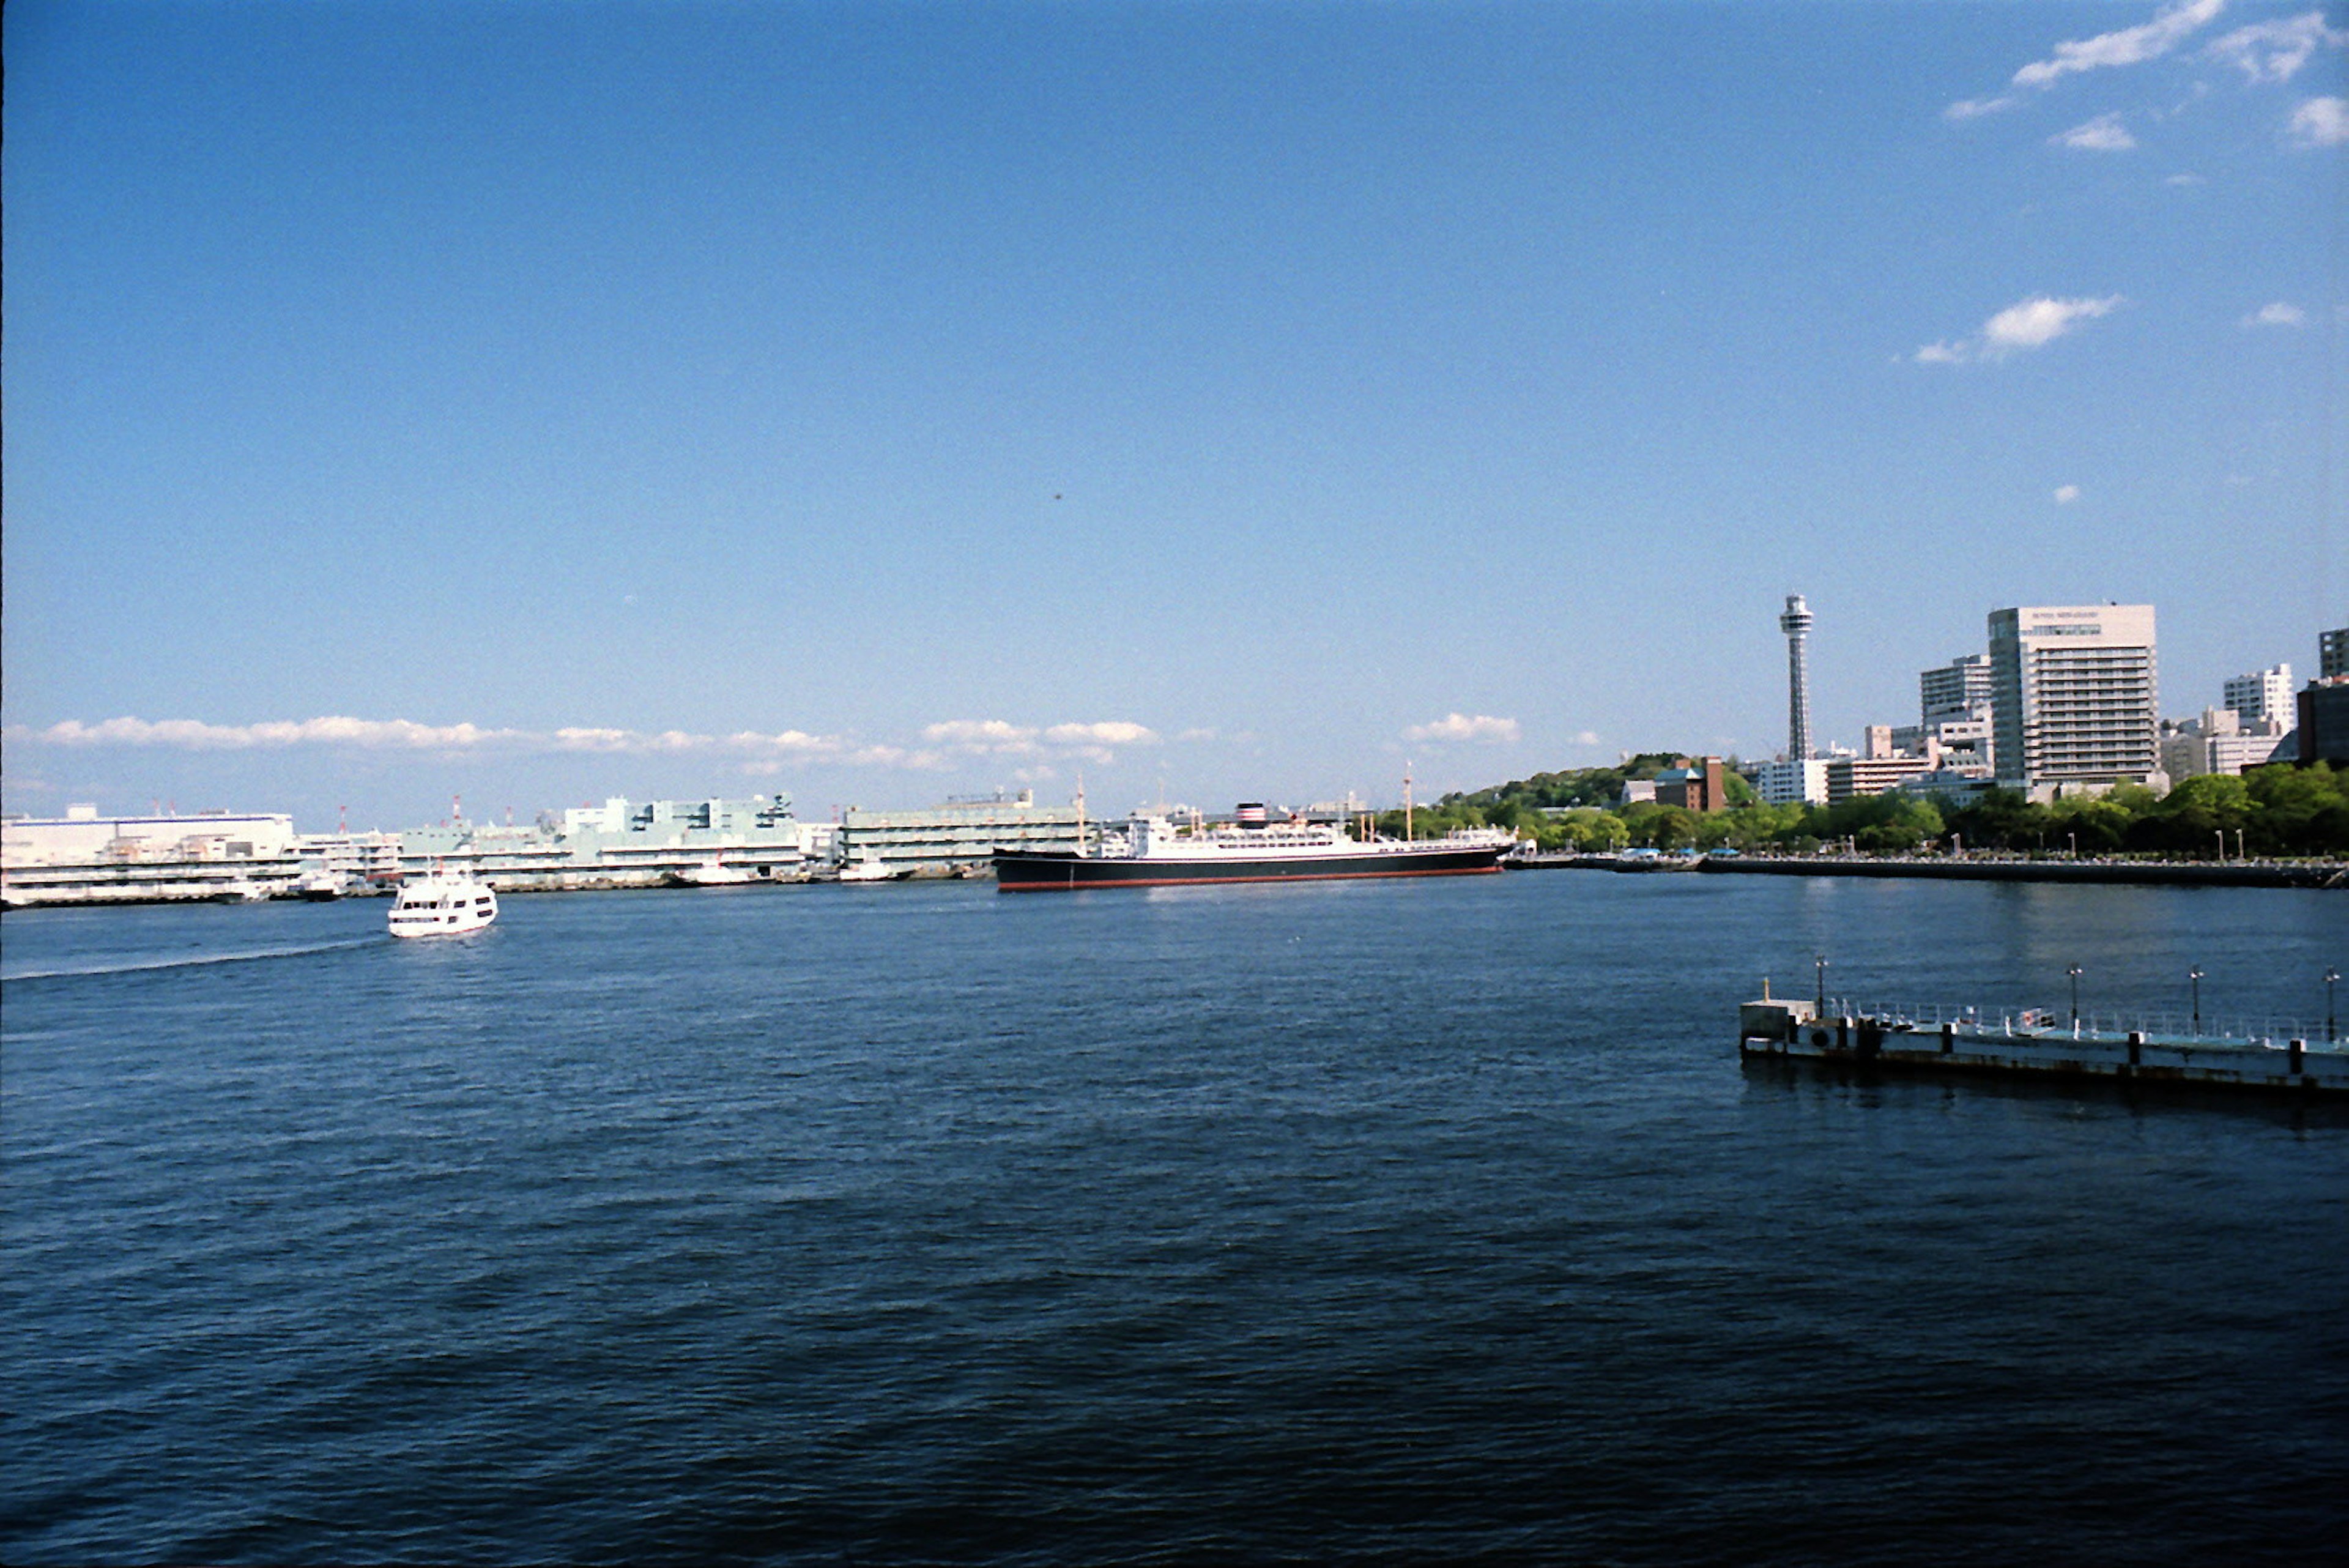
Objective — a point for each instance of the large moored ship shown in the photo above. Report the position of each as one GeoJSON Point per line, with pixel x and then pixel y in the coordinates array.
{"type": "Point", "coordinates": [1152, 852]}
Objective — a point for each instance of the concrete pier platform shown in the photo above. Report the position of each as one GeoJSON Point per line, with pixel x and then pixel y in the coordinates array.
{"type": "Point", "coordinates": [2031, 1043]}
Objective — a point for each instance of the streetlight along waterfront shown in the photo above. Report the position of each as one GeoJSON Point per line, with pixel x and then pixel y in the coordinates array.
{"type": "Point", "coordinates": [2075, 972]}
{"type": "Point", "coordinates": [2194, 977]}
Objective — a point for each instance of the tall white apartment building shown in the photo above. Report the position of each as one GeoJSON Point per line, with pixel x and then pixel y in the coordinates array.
{"type": "Point", "coordinates": [1959, 689]}
{"type": "Point", "coordinates": [2073, 697]}
{"type": "Point", "coordinates": [1791, 779]}
{"type": "Point", "coordinates": [2264, 694]}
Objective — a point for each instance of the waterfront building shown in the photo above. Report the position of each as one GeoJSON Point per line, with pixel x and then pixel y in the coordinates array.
{"type": "Point", "coordinates": [1959, 690]}
{"type": "Point", "coordinates": [620, 843]}
{"type": "Point", "coordinates": [2262, 695]}
{"type": "Point", "coordinates": [1796, 624]}
{"type": "Point", "coordinates": [2324, 720]}
{"type": "Point", "coordinates": [1694, 786]}
{"type": "Point", "coordinates": [2219, 742]}
{"type": "Point", "coordinates": [959, 834]}
{"type": "Point", "coordinates": [2332, 653]}
{"type": "Point", "coordinates": [1792, 778]}
{"type": "Point", "coordinates": [85, 857]}
{"type": "Point", "coordinates": [1954, 715]}
{"type": "Point", "coordinates": [350, 856]}
{"type": "Point", "coordinates": [1948, 786]}
{"type": "Point", "coordinates": [1848, 776]}
{"type": "Point", "coordinates": [2074, 697]}
{"type": "Point", "coordinates": [1959, 744]}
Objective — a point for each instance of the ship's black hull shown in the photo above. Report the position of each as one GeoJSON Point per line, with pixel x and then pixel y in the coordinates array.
{"type": "Point", "coordinates": [1024, 871]}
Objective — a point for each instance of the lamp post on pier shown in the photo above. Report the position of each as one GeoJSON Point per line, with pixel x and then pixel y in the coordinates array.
{"type": "Point", "coordinates": [2332, 1031]}
{"type": "Point", "coordinates": [2194, 976]}
{"type": "Point", "coordinates": [2075, 972]}
{"type": "Point", "coordinates": [1822, 962]}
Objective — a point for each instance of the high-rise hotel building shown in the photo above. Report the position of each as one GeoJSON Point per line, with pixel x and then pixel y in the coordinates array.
{"type": "Point", "coordinates": [2074, 698]}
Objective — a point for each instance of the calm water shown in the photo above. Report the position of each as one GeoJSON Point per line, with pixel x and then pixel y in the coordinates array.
{"type": "Point", "coordinates": [1340, 1222]}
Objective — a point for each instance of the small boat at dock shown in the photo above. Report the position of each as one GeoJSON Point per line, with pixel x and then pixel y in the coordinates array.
{"type": "Point", "coordinates": [713, 876]}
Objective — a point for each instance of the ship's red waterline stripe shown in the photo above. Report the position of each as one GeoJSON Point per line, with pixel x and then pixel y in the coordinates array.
{"type": "Point", "coordinates": [1073, 887]}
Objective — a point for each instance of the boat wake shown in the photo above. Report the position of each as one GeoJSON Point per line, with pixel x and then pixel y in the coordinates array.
{"type": "Point", "coordinates": [201, 960]}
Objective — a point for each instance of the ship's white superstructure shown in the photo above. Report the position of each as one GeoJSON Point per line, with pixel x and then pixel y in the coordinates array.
{"type": "Point", "coordinates": [1151, 850]}
{"type": "Point", "coordinates": [1158, 838]}
{"type": "Point", "coordinates": [442, 905]}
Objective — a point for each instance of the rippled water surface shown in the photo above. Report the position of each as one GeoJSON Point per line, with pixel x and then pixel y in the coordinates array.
{"type": "Point", "coordinates": [1335, 1222]}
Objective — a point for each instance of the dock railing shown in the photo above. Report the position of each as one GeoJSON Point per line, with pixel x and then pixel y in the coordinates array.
{"type": "Point", "coordinates": [2048, 1023]}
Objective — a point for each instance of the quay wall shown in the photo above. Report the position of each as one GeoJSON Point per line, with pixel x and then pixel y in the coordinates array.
{"type": "Point", "coordinates": [2331, 874]}
{"type": "Point", "coordinates": [2166, 873]}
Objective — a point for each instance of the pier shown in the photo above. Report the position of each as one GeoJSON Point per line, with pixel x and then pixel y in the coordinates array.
{"type": "Point", "coordinates": [2034, 1043]}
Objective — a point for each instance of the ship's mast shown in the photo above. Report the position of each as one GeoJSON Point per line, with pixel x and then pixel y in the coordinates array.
{"type": "Point", "coordinates": [1080, 814]}
{"type": "Point", "coordinates": [1406, 803]}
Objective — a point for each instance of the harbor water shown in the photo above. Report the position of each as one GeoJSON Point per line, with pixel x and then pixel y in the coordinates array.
{"type": "Point", "coordinates": [1341, 1222]}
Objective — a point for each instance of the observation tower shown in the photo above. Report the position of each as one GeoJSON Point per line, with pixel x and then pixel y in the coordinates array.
{"type": "Point", "coordinates": [1796, 624]}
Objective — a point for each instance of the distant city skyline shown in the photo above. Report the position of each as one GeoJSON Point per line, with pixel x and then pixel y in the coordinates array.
{"type": "Point", "coordinates": [874, 404]}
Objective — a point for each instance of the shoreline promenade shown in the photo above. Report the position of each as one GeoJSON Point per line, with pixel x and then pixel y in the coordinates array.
{"type": "Point", "coordinates": [2332, 873]}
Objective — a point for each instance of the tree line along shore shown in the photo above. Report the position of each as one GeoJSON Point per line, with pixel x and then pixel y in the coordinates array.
{"type": "Point", "coordinates": [2282, 809]}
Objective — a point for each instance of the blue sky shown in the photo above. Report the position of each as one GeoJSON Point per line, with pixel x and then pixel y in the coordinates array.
{"type": "Point", "coordinates": [877, 403]}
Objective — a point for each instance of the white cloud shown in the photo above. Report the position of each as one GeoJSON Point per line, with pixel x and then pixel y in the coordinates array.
{"type": "Point", "coordinates": [2106, 133]}
{"type": "Point", "coordinates": [2321, 123]}
{"type": "Point", "coordinates": [2029, 324]}
{"type": "Point", "coordinates": [2186, 180]}
{"type": "Point", "coordinates": [1584, 737]}
{"type": "Point", "coordinates": [2279, 314]}
{"type": "Point", "coordinates": [756, 752]}
{"type": "Point", "coordinates": [401, 734]}
{"type": "Point", "coordinates": [2036, 322]}
{"type": "Point", "coordinates": [998, 737]}
{"type": "Point", "coordinates": [1975, 107]}
{"type": "Point", "coordinates": [1116, 733]}
{"type": "Point", "coordinates": [799, 743]}
{"type": "Point", "coordinates": [981, 734]}
{"type": "Point", "coordinates": [2275, 51]}
{"type": "Point", "coordinates": [1462, 727]}
{"type": "Point", "coordinates": [194, 735]}
{"type": "Point", "coordinates": [2066, 493]}
{"type": "Point", "coordinates": [2127, 46]}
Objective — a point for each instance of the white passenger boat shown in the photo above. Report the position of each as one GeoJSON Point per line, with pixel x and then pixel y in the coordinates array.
{"type": "Point", "coordinates": [712, 875]}
{"type": "Point", "coordinates": [1152, 852]}
{"type": "Point", "coordinates": [443, 904]}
